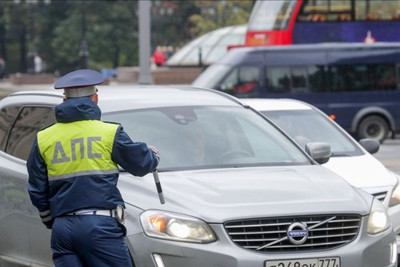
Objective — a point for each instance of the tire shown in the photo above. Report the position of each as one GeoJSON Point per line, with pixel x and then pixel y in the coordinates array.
{"type": "Point", "coordinates": [374, 127]}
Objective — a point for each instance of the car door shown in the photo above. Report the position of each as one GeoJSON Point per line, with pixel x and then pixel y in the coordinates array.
{"type": "Point", "coordinates": [24, 237]}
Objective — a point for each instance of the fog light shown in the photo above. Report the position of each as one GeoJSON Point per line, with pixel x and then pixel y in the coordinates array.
{"type": "Point", "coordinates": [158, 259]}
{"type": "Point", "coordinates": [393, 252]}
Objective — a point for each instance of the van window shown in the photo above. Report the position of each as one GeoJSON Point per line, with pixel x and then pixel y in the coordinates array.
{"type": "Point", "coordinates": [317, 78]}
{"type": "Point", "coordinates": [398, 76]}
{"type": "Point", "coordinates": [385, 77]}
{"type": "Point", "coordinates": [278, 79]}
{"type": "Point", "coordinates": [295, 79]}
{"type": "Point", "coordinates": [241, 81]}
{"type": "Point", "coordinates": [299, 79]}
{"type": "Point", "coordinates": [362, 77]}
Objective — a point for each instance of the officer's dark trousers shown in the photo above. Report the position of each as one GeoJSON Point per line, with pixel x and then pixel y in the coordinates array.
{"type": "Point", "coordinates": [88, 240]}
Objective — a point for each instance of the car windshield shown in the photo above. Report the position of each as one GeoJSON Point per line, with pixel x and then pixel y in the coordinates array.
{"type": "Point", "coordinates": [211, 76]}
{"type": "Point", "coordinates": [196, 137]}
{"type": "Point", "coordinates": [308, 126]}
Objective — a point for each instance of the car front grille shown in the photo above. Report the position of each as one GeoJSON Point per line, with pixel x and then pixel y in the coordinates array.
{"type": "Point", "coordinates": [271, 234]}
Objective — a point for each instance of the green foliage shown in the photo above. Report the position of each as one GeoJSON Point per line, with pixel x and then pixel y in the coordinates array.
{"type": "Point", "coordinates": [55, 29]}
{"type": "Point", "coordinates": [217, 14]}
{"type": "Point", "coordinates": [109, 30]}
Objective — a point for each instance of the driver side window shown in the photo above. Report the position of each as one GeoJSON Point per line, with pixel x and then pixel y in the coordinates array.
{"type": "Point", "coordinates": [30, 120]}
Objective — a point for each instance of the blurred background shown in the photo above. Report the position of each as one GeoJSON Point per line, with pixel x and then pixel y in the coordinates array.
{"type": "Point", "coordinates": [55, 37]}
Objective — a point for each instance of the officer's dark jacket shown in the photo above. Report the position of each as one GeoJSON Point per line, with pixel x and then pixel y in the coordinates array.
{"type": "Point", "coordinates": [56, 186]}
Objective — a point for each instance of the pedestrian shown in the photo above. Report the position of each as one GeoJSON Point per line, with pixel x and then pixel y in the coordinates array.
{"type": "Point", "coordinates": [2, 67]}
{"type": "Point", "coordinates": [73, 174]}
{"type": "Point", "coordinates": [37, 60]}
{"type": "Point", "coordinates": [159, 57]}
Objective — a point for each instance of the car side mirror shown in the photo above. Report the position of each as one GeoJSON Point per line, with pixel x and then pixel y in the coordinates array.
{"type": "Point", "coordinates": [319, 151]}
{"type": "Point", "coordinates": [371, 145]}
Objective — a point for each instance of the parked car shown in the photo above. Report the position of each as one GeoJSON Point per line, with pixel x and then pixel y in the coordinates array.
{"type": "Point", "coordinates": [238, 191]}
{"type": "Point", "coordinates": [350, 159]}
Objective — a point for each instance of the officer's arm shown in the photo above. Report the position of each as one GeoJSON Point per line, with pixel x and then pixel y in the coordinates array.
{"type": "Point", "coordinates": [38, 187]}
{"type": "Point", "coordinates": [134, 157]}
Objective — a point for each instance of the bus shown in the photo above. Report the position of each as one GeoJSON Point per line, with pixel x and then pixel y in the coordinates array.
{"type": "Point", "coordinates": [357, 84]}
{"type": "Point", "coordinates": [285, 22]}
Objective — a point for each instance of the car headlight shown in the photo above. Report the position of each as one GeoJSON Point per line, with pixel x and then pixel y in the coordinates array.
{"type": "Point", "coordinates": [177, 227]}
{"type": "Point", "coordinates": [395, 198]}
{"type": "Point", "coordinates": [378, 219]}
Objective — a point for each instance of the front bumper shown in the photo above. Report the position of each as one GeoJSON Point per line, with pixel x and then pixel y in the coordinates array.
{"type": "Point", "coordinates": [365, 251]}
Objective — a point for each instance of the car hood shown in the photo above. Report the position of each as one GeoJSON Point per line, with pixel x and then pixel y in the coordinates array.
{"type": "Point", "coordinates": [364, 171]}
{"type": "Point", "coordinates": [219, 195]}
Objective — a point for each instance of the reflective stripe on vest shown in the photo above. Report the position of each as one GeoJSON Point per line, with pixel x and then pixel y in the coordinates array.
{"type": "Point", "coordinates": [78, 148]}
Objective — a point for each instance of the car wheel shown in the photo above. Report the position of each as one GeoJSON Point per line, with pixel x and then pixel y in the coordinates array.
{"type": "Point", "coordinates": [374, 127]}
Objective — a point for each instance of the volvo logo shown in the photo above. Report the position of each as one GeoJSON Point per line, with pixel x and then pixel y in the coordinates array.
{"type": "Point", "coordinates": [297, 233]}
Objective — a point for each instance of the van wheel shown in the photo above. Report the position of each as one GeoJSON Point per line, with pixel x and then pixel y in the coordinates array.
{"type": "Point", "coordinates": [374, 127]}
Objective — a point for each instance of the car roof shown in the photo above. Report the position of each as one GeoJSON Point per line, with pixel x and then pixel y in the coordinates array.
{"type": "Point", "coordinates": [114, 98]}
{"type": "Point", "coordinates": [301, 54]}
{"type": "Point", "coordinates": [276, 104]}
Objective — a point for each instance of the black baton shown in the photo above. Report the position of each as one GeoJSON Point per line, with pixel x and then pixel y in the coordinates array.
{"type": "Point", "coordinates": [158, 185]}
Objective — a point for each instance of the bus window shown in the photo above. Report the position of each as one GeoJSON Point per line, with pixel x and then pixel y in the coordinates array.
{"type": "Point", "coordinates": [270, 15]}
{"type": "Point", "coordinates": [377, 10]}
{"type": "Point", "coordinates": [341, 10]}
{"type": "Point", "coordinates": [323, 10]}
{"type": "Point", "coordinates": [242, 80]}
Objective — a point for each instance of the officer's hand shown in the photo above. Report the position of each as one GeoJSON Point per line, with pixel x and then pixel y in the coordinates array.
{"type": "Point", "coordinates": [156, 153]}
{"type": "Point", "coordinates": [155, 150]}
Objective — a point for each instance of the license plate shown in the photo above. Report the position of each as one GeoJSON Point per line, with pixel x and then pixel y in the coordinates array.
{"type": "Point", "coordinates": [317, 262]}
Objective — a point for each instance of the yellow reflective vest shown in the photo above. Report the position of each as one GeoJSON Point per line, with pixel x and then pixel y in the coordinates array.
{"type": "Point", "coordinates": [78, 148]}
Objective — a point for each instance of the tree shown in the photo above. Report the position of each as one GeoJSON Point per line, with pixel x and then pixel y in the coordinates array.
{"type": "Point", "coordinates": [55, 29]}
{"type": "Point", "coordinates": [218, 14]}
{"type": "Point", "coordinates": [111, 34]}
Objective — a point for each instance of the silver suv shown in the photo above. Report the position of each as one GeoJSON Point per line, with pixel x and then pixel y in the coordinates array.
{"type": "Point", "coordinates": [237, 191]}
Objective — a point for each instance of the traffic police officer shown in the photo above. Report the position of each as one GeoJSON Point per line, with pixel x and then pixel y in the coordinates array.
{"type": "Point", "coordinates": [73, 177]}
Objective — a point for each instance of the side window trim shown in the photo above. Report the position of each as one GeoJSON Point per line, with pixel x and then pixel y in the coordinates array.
{"type": "Point", "coordinates": [8, 134]}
